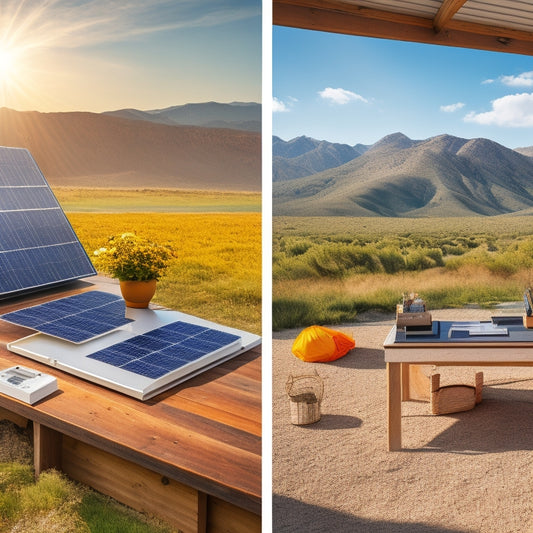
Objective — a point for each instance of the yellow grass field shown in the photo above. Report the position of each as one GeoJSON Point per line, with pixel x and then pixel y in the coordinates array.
{"type": "Point", "coordinates": [217, 274]}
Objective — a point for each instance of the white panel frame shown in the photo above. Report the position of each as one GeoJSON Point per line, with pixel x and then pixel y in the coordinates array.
{"type": "Point", "coordinates": [72, 358]}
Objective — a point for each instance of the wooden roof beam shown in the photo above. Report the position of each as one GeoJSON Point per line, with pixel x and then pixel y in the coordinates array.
{"type": "Point", "coordinates": [446, 12]}
{"type": "Point", "coordinates": [345, 18]}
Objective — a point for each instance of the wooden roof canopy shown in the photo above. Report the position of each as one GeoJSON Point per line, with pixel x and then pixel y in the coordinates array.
{"type": "Point", "coordinates": [496, 25]}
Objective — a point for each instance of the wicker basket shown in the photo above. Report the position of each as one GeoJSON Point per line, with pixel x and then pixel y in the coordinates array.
{"type": "Point", "coordinates": [305, 396]}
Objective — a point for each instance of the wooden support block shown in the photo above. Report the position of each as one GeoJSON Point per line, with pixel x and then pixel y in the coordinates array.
{"type": "Point", "coordinates": [180, 505]}
{"type": "Point", "coordinates": [47, 448]}
{"type": "Point", "coordinates": [223, 516]}
{"type": "Point", "coordinates": [19, 420]}
{"type": "Point", "coordinates": [419, 382]}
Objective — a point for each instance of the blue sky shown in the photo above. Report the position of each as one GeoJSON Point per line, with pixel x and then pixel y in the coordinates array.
{"type": "Point", "coordinates": [99, 55]}
{"type": "Point", "coordinates": [353, 90]}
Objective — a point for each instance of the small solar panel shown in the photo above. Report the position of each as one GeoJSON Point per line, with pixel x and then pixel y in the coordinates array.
{"type": "Point", "coordinates": [163, 350]}
{"type": "Point", "coordinates": [76, 318]}
{"type": "Point", "coordinates": [38, 247]}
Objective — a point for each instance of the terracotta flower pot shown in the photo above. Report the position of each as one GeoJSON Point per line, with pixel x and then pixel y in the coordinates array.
{"type": "Point", "coordinates": [138, 293]}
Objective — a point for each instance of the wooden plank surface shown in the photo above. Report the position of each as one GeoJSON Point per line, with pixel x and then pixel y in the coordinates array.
{"type": "Point", "coordinates": [204, 433]}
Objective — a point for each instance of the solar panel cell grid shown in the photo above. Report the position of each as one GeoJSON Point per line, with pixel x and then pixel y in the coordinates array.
{"type": "Point", "coordinates": [38, 247]}
{"type": "Point", "coordinates": [165, 349]}
{"type": "Point", "coordinates": [23, 198]}
{"type": "Point", "coordinates": [145, 369]}
{"type": "Point", "coordinates": [112, 357]}
{"type": "Point", "coordinates": [76, 318]}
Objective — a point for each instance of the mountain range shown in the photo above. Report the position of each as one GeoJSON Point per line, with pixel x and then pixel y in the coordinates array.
{"type": "Point", "coordinates": [101, 150]}
{"type": "Point", "coordinates": [235, 115]}
{"type": "Point", "coordinates": [400, 177]}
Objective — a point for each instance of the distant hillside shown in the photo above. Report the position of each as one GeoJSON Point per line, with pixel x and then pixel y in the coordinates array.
{"type": "Point", "coordinates": [236, 115]}
{"type": "Point", "coordinates": [526, 150]}
{"type": "Point", "coordinates": [90, 149]}
{"type": "Point", "coordinates": [304, 156]}
{"type": "Point", "coordinates": [400, 177]}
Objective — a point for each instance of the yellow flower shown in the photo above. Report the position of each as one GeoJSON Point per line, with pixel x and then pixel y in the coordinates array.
{"type": "Point", "coordinates": [130, 257]}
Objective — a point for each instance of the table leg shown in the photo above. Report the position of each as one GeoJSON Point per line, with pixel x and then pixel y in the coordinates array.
{"type": "Point", "coordinates": [406, 387]}
{"type": "Point", "coordinates": [394, 406]}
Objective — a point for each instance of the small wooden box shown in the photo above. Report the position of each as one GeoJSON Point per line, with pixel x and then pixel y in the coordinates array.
{"type": "Point", "coordinates": [528, 321]}
{"type": "Point", "coordinates": [413, 319]}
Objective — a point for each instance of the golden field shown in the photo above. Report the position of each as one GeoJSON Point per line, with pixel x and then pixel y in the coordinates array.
{"type": "Point", "coordinates": [217, 274]}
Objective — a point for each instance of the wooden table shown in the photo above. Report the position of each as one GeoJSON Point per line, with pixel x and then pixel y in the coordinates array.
{"type": "Point", "coordinates": [191, 455]}
{"type": "Point", "coordinates": [514, 349]}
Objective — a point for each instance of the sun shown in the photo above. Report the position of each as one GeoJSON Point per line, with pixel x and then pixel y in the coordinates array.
{"type": "Point", "coordinates": [10, 73]}
{"type": "Point", "coordinates": [7, 64]}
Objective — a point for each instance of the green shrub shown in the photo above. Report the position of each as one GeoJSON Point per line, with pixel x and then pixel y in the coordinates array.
{"type": "Point", "coordinates": [298, 248]}
{"type": "Point", "coordinates": [392, 260]}
{"type": "Point", "coordinates": [453, 249]}
{"type": "Point", "coordinates": [420, 260]}
{"type": "Point", "coordinates": [290, 313]}
{"type": "Point", "coordinates": [291, 268]}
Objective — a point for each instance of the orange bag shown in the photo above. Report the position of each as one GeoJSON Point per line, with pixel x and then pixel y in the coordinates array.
{"type": "Point", "coordinates": [317, 344]}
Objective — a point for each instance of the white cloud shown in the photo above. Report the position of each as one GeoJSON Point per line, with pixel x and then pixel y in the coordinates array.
{"type": "Point", "coordinates": [487, 82]}
{"type": "Point", "coordinates": [522, 80]}
{"type": "Point", "coordinates": [513, 110]}
{"type": "Point", "coordinates": [278, 106]}
{"type": "Point", "coordinates": [340, 96]}
{"type": "Point", "coordinates": [451, 107]}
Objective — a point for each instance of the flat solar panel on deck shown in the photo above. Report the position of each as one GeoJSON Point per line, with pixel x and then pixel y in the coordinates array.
{"type": "Point", "coordinates": [76, 318]}
{"type": "Point", "coordinates": [38, 247]}
{"type": "Point", "coordinates": [165, 349]}
{"type": "Point", "coordinates": [157, 350]}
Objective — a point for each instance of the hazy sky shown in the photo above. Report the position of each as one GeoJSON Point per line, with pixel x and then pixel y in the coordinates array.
{"type": "Point", "coordinates": [99, 55]}
{"type": "Point", "coordinates": [356, 90]}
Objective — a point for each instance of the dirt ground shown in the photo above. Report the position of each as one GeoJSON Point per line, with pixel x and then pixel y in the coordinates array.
{"type": "Point", "coordinates": [465, 472]}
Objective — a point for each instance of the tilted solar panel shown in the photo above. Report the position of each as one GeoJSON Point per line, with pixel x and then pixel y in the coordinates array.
{"type": "Point", "coordinates": [38, 247]}
{"type": "Point", "coordinates": [76, 318]}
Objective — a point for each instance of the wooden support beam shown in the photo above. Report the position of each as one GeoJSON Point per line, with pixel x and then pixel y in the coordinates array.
{"type": "Point", "coordinates": [181, 506]}
{"type": "Point", "coordinates": [336, 16]}
{"type": "Point", "coordinates": [47, 448]}
{"type": "Point", "coordinates": [19, 420]}
{"type": "Point", "coordinates": [446, 12]}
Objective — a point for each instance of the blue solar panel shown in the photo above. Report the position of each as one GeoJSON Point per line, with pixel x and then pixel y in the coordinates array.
{"type": "Point", "coordinates": [76, 318]}
{"type": "Point", "coordinates": [38, 247]}
{"type": "Point", "coordinates": [165, 349]}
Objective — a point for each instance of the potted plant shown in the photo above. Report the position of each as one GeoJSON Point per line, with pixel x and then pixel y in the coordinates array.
{"type": "Point", "coordinates": [137, 263]}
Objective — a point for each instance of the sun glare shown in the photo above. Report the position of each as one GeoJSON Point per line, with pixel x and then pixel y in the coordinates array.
{"type": "Point", "coordinates": [8, 67]}
{"type": "Point", "coordinates": [10, 74]}
{"type": "Point", "coordinates": [7, 63]}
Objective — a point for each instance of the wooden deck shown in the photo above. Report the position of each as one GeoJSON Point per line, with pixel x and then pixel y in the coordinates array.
{"type": "Point", "coordinates": [191, 456]}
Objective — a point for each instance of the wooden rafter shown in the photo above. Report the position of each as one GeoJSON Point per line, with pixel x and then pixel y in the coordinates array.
{"type": "Point", "coordinates": [338, 16]}
{"type": "Point", "coordinates": [446, 12]}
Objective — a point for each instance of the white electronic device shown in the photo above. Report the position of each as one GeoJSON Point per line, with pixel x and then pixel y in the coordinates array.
{"type": "Point", "coordinates": [25, 384]}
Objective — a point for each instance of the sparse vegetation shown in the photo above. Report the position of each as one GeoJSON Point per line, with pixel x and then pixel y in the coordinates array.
{"type": "Point", "coordinates": [54, 503]}
{"type": "Point", "coordinates": [327, 270]}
